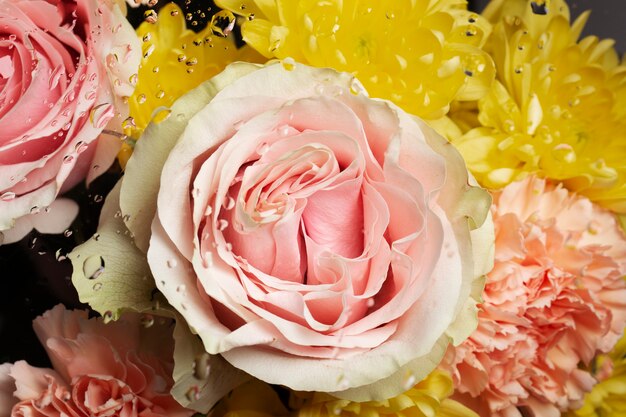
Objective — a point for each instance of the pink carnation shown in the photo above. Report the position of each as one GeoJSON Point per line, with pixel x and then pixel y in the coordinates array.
{"type": "Point", "coordinates": [555, 298]}
{"type": "Point", "coordinates": [100, 370]}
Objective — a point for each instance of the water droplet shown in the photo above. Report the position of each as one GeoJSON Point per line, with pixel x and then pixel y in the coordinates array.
{"type": "Point", "coordinates": [191, 62]}
{"type": "Point", "coordinates": [283, 130]}
{"type": "Point", "coordinates": [147, 37]}
{"type": "Point", "coordinates": [80, 147]}
{"type": "Point", "coordinates": [67, 233]}
{"type": "Point", "coordinates": [60, 255]}
{"type": "Point", "coordinates": [222, 224]}
{"type": "Point", "coordinates": [174, 13]}
{"type": "Point", "coordinates": [108, 317]}
{"type": "Point", "coordinates": [229, 203]}
{"type": "Point", "coordinates": [356, 87]}
{"type": "Point", "coordinates": [208, 211]}
{"type": "Point", "coordinates": [128, 123]}
{"type": "Point", "coordinates": [101, 114]}
{"type": "Point", "coordinates": [222, 23]}
{"type": "Point", "coordinates": [93, 267]}
{"type": "Point", "coordinates": [201, 366]}
{"type": "Point", "coordinates": [97, 286]}
{"type": "Point", "coordinates": [181, 57]}
{"type": "Point", "coordinates": [141, 98]}
{"type": "Point", "coordinates": [172, 263]}
{"type": "Point", "coordinates": [160, 114]}
{"type": "Point", "coordinates": [160, 94]}
{"type": "Point", "coordinates": [193, 394]}
{"type": "Point", "coordinates": [181, 288]}
{"type": "Point", "coordinates": [289, 64]}
{"type": "Point", "coordinates": [35, 210]}
{"type": "Point", "coordinates": [55, 76]}
{"type": "Point", "coordinates": [518, 69]}
{"type": "Point", "coordinates": [147, 320]}
{"type": "Point", "coordinates": [370, 302]}
{"type": "Point", "coordinates": [8, 196]}
{"type": "Point", "coordinates": [98, 198]}
{"type": "Point", "coordinates": [564, 153]}
{"type": "Point", "coordinates": [150, 16]}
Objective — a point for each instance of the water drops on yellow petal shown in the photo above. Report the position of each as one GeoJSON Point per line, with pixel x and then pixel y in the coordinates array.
{"type": "Point", "coordinates": [557, 108]}
{"type": "Point", "coordinates": [175, 61]}
{"type": "Point", "coordinates": [421, 55]}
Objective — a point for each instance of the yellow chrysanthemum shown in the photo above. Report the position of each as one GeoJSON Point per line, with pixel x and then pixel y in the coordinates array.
{"type": "Point", "coordinates": [608, 397]}
{"type": "Point", "coordinates": [429, 398]}
{"type": "Point", "coordinates": [175, 60]}
{"type": "Point", "coordinates": [420, 54]}
{"type": "Point", "coordinates": [557, 108]}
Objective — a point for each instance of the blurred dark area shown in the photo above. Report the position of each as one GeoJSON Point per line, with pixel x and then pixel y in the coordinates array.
{"type": "Point", "coordinates": [35, 273]}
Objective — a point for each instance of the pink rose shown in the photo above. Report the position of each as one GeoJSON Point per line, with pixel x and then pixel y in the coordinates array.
{"type": "Point", "coordinates": [313, 237]}
{"type": "Point", "coordinates": [63, 64]}
{"type": "Point", "coordinates": [555, 298]}
{"type": "Point", "coordinates": [100, 370]}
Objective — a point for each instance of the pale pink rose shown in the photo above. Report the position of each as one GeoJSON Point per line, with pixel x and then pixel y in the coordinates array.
{"type": "Point", "coordinates": [63, 67]}
{"type": "Point", "coordinates": [555, 298]}
{"type": "Point", "coordinates": [100, 370]}
{"type": "Point", "coordinates": [312, 236]}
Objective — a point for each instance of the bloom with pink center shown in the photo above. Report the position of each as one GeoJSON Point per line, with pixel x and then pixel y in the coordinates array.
{"type": "Point", "coordinates": [100, 370]}
{"type": "Point", "coordinates": [555, 298]}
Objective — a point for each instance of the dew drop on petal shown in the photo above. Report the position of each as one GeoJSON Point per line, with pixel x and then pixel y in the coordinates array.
{"type": "Point", "coordinates": [193, 394]}
{"type": "Point", "coordinates": [229, 203]}
{"type": "Point", "coordinates": [93, 267]}
{"type": "Point", "coordinates": [222, 224]}
{"type": "Point", "coordinates": [289, 63]}
{"type": "Point", "coordinates": [8, 196]}
{"type": "Point", "coordinates": [201, 366]}
{"type": "Point", "coordinates": [150, 16]}
{"type": "Point", "coordinates": [172, 263]}
{"type": "Point", "coordinates": [160, 114]}
{"type": "Point", "coordinates": [108, 316]}
{"type": "Point", "coordinates": [97, 286]}
{"type": "Point", "coordinates": [147, 320]}
{"type": "Point", "coordinates": [222, 23]}
{"type": "Point", "coordinates": [101, 114]}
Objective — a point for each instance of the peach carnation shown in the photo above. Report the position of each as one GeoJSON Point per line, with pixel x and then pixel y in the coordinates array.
{"type": "Point", "coordinates": [122, 369]}
{"type": "Point", "coordinates": [554, 299]}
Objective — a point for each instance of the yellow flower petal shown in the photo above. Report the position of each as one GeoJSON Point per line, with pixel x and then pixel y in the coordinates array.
{"type": "Point", "coordinates": [557, 108]}
{"type": "Point", "coordinates": [420, 54]}
{"type": "Point", "coordinates": [175, 60]}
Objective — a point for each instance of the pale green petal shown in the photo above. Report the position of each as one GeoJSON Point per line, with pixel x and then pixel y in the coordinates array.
{"type": "Point", "coordinates": [201, 380]}
{"type": "Point", "coordinates": [110, 273]}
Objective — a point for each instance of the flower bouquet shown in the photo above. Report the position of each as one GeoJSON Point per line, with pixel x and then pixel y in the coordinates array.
{"type": "Point", "coordinates": [311, 208]}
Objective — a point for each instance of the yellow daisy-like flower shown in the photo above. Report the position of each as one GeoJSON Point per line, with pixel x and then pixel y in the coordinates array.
{"type": "Point", "coordinates": [557, 108]}
{"type": "Point", "coordinates": [429, 398]}
{"type": "Point", "coordinates": [420, 54]}
{"type": "Point", "coordinates": [608, 397]}
{"type": "Point", "coordinates": [175, 60]}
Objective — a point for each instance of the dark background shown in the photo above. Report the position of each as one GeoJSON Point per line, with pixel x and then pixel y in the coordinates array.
{"type": "Point", "coordinates": [32, 279]}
